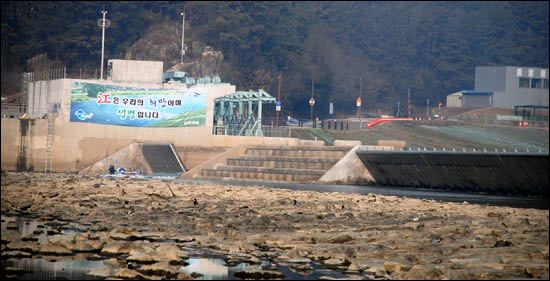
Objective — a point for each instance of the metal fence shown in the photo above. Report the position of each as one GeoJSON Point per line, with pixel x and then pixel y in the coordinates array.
{"type": "Point", "coordinates": [274, 131]}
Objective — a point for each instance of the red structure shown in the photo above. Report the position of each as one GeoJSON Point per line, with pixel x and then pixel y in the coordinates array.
{"type": "Point", "coordinates": [377, 121]}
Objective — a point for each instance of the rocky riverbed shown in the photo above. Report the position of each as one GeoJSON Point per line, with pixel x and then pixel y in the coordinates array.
{"type": "Point", "coordinates": [149, 228]}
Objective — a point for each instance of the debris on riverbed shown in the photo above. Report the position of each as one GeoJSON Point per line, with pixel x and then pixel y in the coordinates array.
{"type": "Point", "coordinates": [151, 232]}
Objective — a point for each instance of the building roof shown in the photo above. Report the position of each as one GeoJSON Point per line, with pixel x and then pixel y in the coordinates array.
{"type": "Point", "coordinates": [476, 93]}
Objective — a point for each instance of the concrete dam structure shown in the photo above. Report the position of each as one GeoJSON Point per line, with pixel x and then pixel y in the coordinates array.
{"type": "Point", "coordinates": [520, 173]}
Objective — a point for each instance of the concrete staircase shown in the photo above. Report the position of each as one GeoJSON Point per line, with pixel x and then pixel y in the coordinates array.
{"type": "Point", "coordinates": [279, 164]}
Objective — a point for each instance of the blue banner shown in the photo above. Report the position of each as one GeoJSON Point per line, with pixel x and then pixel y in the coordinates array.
{"type": "Point", "coordinates": [138, 107]}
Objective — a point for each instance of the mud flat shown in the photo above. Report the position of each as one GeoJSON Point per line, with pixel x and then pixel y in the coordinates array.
{"type": "Point", "coordinates": [149, 228]}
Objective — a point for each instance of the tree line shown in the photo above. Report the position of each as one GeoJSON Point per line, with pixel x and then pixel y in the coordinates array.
{"type": "Point", "coordinates": [431, 48]}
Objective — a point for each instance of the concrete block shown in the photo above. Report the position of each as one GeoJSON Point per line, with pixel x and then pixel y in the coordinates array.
{"type": "Point", "coordinates": [397, 144]}
{"type": "Point", "coordinates": [350, 169]}
{"type": "Point", "coordinates": [346, 142]}
{"type": "Point", "coordinates": [311, 143]}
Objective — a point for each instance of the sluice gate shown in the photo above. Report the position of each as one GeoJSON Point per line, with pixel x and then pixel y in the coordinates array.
{"type": "Point", "coordinates": [520, 173]}
{"type": "Point", "coordinates": [162, 159]}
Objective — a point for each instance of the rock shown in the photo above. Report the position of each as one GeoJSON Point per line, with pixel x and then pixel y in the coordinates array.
{"type": "Point", "coordinates": [15, 254]}
{"type": "Point", "coordinates": [391, 266]}
{"type": "Point", "coordinates": [25, 205]}
{"type": "Point", "coordinates": [23, 246]}
{"type": "Point", "coordinates": [30, 238]}
{"type": "Point", "coordinates": [376, 271]}
{"type": "Point", "coordinates": [353, 267]}
{"type": "Point", "coordinates": [115, 248]}
{"type": "Point", "coordinates": [336, 261]}
{"type": "Point", "coordinates": [95, 257]}
{"type": "Point", "coordinates": [54, 250]}
{"type": "Point", "coordinates": [128, 274]}
{"type": "Point", "coordinates": [184, 276]}
{"type": "Point", "coordinates": [502, 243]}
{"type": "Point", "coordinates": [302, 267]}
{"type": "Point", "coordinates": [170, 252]}
{"type": "Point", "coordinates": [119, 235]}
{"type": "Point", "coordinates": [259, 274]}
{"type": "Point", "coordinates": [88, 246]}
{"type": "Point", "coordinates": [341, 238]}
{"type": "Point", "coordinates": [114, 262]}
{"type": "Point", "coordinates": [298, 260]}
{"type": "Point", "coordinates": [143, 258]}
{"type": "Point", "coordinates": [422, 271]}
{"type": "Point", "coordinates": [101, 272]}
{"type": "Point", "coordinates": [159, 269]}
{"type": "Point", "coordinates": [142, 248]}
{"type": "Point", "coordinates": [255, 260]}
{"type": "Point", "coordinates": [61, 239]}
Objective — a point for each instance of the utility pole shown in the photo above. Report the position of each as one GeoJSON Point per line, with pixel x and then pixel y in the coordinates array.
{"type": "Point", "coordinates": [409, 102]}
{"type": "Point", "coordinates": [279, 99]}
{"type": "Point", "coordinates": [103, 24]}
{"type": "Point", "coordinates": [182, 36]}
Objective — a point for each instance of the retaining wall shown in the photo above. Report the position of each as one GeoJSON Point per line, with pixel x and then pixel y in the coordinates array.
{"type": "Point", "coordinates": [505, 173]}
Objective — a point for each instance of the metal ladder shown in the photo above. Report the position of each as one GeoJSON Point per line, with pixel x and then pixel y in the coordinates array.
{"type": "Point", "coordinates": [48, 165]}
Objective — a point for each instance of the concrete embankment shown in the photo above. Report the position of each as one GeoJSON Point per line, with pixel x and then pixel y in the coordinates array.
{"type": "Point", "coordinates": [493, 172]}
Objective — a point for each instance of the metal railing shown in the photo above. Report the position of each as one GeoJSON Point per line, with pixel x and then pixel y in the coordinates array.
{"type": "Point", "coordinates": [278, 132]}
{"type": "Point", "coordinates": [236, 129]}
{"type": "Point", "coordinates": [48, 74]}
{"type": "Point", "coordinates": [13, 110]}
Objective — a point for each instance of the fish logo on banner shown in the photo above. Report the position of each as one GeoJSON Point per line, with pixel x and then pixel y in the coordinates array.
{"type": "Point", "coordinates": [81, 114]}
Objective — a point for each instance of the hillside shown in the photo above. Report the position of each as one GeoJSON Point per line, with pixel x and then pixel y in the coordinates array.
{"type": "Point", "coordinates": [430, 47]}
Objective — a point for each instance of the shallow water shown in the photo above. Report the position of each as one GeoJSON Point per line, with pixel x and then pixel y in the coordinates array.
{"type": "Point", "coordinates": [77, 267]}
{"type": "Point", "coordinates": [42, 269]}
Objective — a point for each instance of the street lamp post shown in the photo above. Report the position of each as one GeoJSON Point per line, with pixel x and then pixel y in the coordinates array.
{"type": "Point", "coordinates": [182, 36]}
{"type": "Point", "coordinates": [103, 24]}
{"type": "Point", "coordinates": [359, 99]}
{"type": "Point", "coordinates": [427, 112]}
{"type": "Point", "coordinates": [278, 106]}
{"type": "Point", "coordinates": [312, 100]}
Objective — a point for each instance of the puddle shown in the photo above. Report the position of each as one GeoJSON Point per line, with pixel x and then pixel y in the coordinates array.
{"type": "Point", "coordinates": [41, 269]}
{"type": "Point", "coordinates": [78, 266]}
{"type": "Point", "coordinates": [216, 269]}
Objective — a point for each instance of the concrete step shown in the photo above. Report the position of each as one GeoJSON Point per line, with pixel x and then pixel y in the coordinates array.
{"type": "Point", "coordinates": [207, 178]}
{"type": "Point", "coordinates": [299, 151]}
{"type": "Point", "coordinates": [261, 173]}
{"type": "Point", "coordinates": [316, 163]}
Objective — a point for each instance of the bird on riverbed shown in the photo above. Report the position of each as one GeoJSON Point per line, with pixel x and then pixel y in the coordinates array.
{"type": "Point", "coordinates": [195, 202]}
{"type": "Point", "coordinates": [295, 202]}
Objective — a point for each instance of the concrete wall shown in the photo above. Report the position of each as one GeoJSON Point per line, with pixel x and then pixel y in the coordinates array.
{"type": "Point", "coordinates": [78, 145]}
{"type": "Point", "coordinates": [517, 173]}
{"type": "Point", "coordinates": [42, 95]}
{"type": "Point", "coordinates": [477, 100]}
{"type": "Point", "coordinates": [128, 157]}
{"type": "Point", "coordinates": [24, 144]}
{"type": "Point", "coordinates": [454, 100]}
{"type": "Point", "coordinates": [135, 71]}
